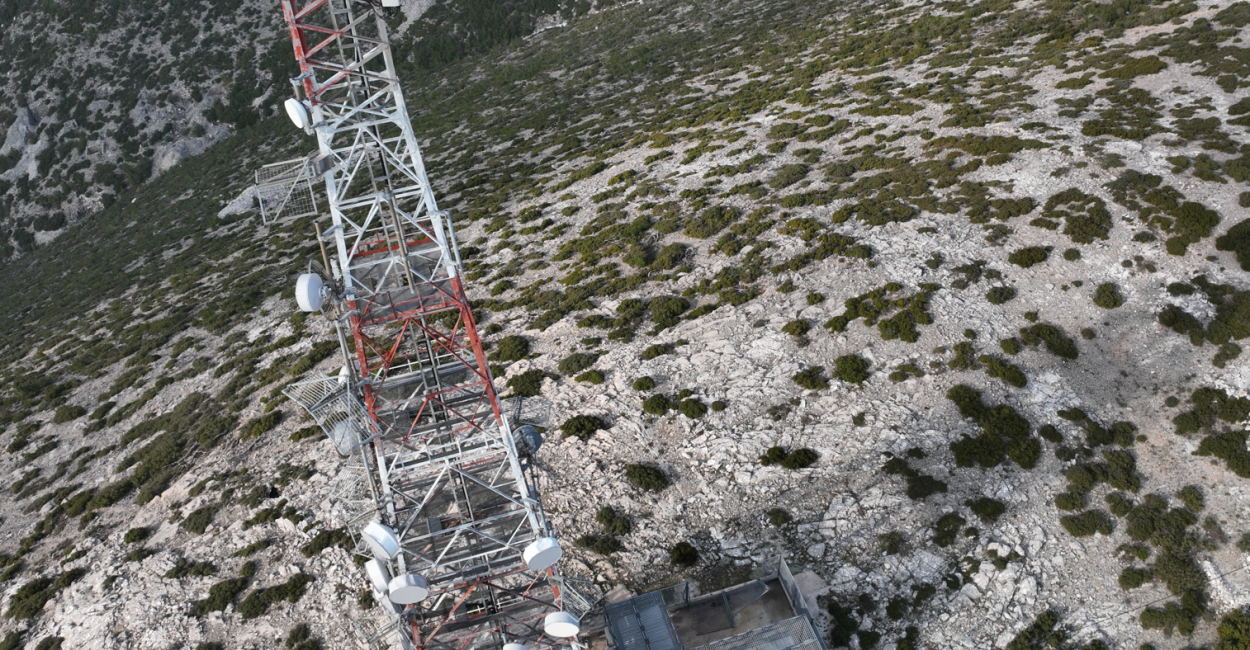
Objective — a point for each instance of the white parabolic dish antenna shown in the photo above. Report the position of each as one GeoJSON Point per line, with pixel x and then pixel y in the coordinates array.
{"type": "Point", "coordinates": [379, 575]}
{"type": "Point", "coordinates": [409, 588]}
{"type": "Point", "coordinates": [308, 292]}
{"type": "Point", "coordinates": [381, 540]}
{"type": "Point", "coordinates": [561, 624]}
{"type": "Point", "coordinates": [298, 112]}
{"type": "Point", "coordinates": [516, 646]}
{"type": "Point", "coordinates": [542, 554]}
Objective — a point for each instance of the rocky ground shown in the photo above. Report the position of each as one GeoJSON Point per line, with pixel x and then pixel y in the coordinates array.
{"type": "Point", "coordinates": [886, 556]}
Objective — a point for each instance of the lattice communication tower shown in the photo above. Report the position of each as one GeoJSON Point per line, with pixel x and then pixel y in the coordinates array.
{"type": "Point", "coordinates": [463, 556]}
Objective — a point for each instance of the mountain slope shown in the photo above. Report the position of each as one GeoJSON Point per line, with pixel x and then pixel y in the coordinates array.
{"type": "Point", "coordinates": [977, 259]}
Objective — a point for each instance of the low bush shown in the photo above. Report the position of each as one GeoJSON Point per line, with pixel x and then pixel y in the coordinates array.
{"type": "Point", "coordinates": [946, 528]}
{"type": "Point", "coordinates": [613, 522]}
{"type": "Point", "coordinates": [692, 408]}
{"type": "Point", "coordinates": [67, 413]}
{"type": "Point", "coordinates": [527, 384]}
{"type": "Point", "coordinates": [989, 510]}
{"type": "Point", "coordinates": [1132, 578]}
{"type": "Point", "coordinates": [326, 538]}
{"type": "Point", "coordinates": [256, 427]}
{"type": "Point", "coordinates": [259, 601]}
{"type": "Point", "coordinates": [1108, 296]}
{"type": "Point", "coordinates": [851, 368]}
{"type": "Point", "coordinates": [1029, 256]}
{"type": "Point", "coordinates": [891, 543]}
{"type": "Point", "coordinates": [646, 477]}
{"type": "Point", "coordinates": [135, 535]}
{"type": "Point", "coordinates": [512, 348]}
{"type": "Point", "coordinates": [654, 351]}
{"type": "Point", "coordinates": [778, 517]}
{"type": "Point", "coordinates": [644, 383]}
{"type": "Point", "coordinates": [683, 554]}
{"type": "Point", "coordinates": [197, 522]}
{"type": "Point", "coordinates": [1000, 295]}
{"type": "Point", "coordinates": [600, 544]}
{"type": "Point", "coordinates": [1087, 523]}
{"type": "Point", "coordinates": [577, 362]}
{"type": "Point", "coordinates": [301, 637]}
{"type": "Point", "coordinates": [1191, 496]}
{"type": "Point", "coordinates": [812, 378]}
{"type": "Point", "coordinates": [657, 404]}
{"type": "Point", "coordinates": [796, 328]}
{"type": "Point", "coordinates": [581, 427]}
{"type": "Point", "coordinates": [591, 377]}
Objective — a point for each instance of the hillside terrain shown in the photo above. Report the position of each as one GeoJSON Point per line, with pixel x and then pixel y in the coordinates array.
{"type": "Point", "coordinates": [944, 302]}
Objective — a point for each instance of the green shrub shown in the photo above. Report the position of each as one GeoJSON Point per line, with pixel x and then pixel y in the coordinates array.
{"type": "Point", "coordinates": [185, 568]}
{"type": "Point", "coordinates": [256, 427]}
{"type": "Point", "coordinates": [326, 538]}
{"type": "Point", "coordinates": [657, 350]}
{"type": "Point", "coordinates": [1237, 239]}
{"type": "Point", "coordinates": [719, 406]}
{"type": "Point", "coordinates": [591, 376]}
{"type": "Point", "coordinates": [528, 383]}
{"type": "Point", "coordinates": [891, 543]}
{"type": "Point", "coordinates": [666, 311]}
{"type": "Point", "coordinates": [1056, 342]}
{"type": "Point", "coordinates": [1051, 434]}
{"type": "Point", "coordinates": [1192, 497]}
{"type": "Point", "coordinates": [512, 348]}
{"type": "Point", "coordinates": [259, 601]}
{"type": "Point", "coordinates": [28, 601]}
{"type": "Point", "coordinates": [600, 544]}
{"type": "Point", "coordinates": [1025, 452]}
{"type": "Point", "coordinates": [613, 522]}
{"type": "Point", "coordinates": [989, 510]}
{"type": "Point", "coordinates": [67, 413]}
{"type": "Point", "coordinates": [796, 328]}
{"type": "Point", "coordinates": [788, 175]}
{"type": "Point", "coordinates": [921, 486]}
{"type": "Point", "coordinates": [778, 517]}
{"type": "Point", "coordinates": [1087, 523]}
{"type": "Point", "coordinates": [1070, 501]}
{"type": "Point", "coordinates": [300, 637]}
{"type": "Point", "coordinates": [683, 554]}
{"type": "Point", "coordinates": [1132, 578]}
{"type": "Point", "coordinates": [197, 522]}
{"type": "Point", "coordinates": [851, 368]}
{"type": "Point", "coordinates": [644, 383]}
{"type": "Point", "coordinates": [646, 477]}
{"type": "Point", "coordinates": [946, 528]}
{"type": "Point", "coordinates": [692, 408]}
{"type": "Point", "coordinates": [135, 535]}
{"type": "Point", "coordinates": [1234, 631]}
{"type": "Point", "coordinates": [773, 456]}
{"type": "Point", "coordinates": [1030, 256]}
{"type": "Point", "coordinates": [1000, 295]}
{"type": "Point", "coordinates": [1108, 296]}
{"type": "Point", "coordinates": [577, 362]}
{"type": "Point", "coordinates": [581, 427]}
{"type": "Point", "coordinates": [799, 459]}
{"type": "Point", "coordinates": [812, 378]}
{"type": "Point", "coordinates": [1072, 254]}
{"type": "Point", "coordinates": [1003, 370]}
{"type": "Point", "coordinates": [657, 404]}
{"type": "Point", "coordinates": [1011, 346]}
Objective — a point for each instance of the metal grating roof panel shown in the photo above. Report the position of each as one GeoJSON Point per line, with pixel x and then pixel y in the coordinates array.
{"type": "Point", "coordinates": [642, 623]}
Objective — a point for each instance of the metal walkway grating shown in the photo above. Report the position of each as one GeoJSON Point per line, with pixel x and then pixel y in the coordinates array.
{"type": "Point", "coordinates": [642, 623]}
{"type": "Point", "coordinates": [792, 633]}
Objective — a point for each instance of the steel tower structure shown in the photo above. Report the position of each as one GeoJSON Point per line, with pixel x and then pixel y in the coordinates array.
{"type": "Point", "coordinates": [463, 556]}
